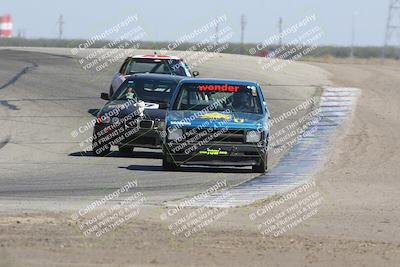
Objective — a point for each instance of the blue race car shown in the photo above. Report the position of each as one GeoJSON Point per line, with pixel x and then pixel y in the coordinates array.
{"type": "Point", "coordinates": [216, 122]}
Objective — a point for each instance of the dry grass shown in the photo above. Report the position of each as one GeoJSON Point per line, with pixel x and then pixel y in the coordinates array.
{"type": "Point", "coordinates": [360, 61]}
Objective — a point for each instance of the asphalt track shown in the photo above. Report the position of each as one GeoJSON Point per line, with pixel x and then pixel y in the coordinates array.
{"type": "Point", "coordinates": [45, 95]}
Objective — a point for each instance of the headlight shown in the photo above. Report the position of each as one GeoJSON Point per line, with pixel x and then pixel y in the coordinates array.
{"type": "Point", "coordinates": [115, 120]}
{"type": "Point", "coordinates": [253, 137]}
{"type": "Point", "coordinates": [104, 119]}
{"type": "Point", "coordinates": [161, 125]}
{"type": "Point", "coordinates": [175, 134]}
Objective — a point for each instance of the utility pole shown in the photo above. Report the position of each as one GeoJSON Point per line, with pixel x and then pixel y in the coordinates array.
{"type": "Point", "coordinates": [243, 23]}
{"type": "Point", "coordinates": [60, 23]}
{"type": "Point", "coordinates": [217, 33]}
{"type": "Point", "coordinates": [392, 27]}
{"type": "Point", "coordinates": [353, 34]}
{"type": "Point", "coordinates": [280, 26]}
{"type": "Point", "coordinates": [21, 33]}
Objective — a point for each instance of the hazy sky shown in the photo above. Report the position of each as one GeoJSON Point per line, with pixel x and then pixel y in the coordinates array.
{"type": "Point", "coordinates": [167, 20]}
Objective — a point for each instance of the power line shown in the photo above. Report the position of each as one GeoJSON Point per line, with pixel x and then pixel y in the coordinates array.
{"type": "Point", "coordinates": [392, 27]}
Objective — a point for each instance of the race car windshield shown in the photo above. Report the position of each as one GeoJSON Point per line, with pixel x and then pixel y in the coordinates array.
{"type": "Point", "coordinates": [170, 66]}
{"type": "Point", "coordinates": [152, 91]}
{"type": "Point", "coordinates": [218, 97]}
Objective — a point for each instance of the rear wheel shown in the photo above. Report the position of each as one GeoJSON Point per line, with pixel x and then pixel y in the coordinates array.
{"type": "Point", "coordinates": [262, 166]}
{"type": "Point", "coordinates": [168, 163]}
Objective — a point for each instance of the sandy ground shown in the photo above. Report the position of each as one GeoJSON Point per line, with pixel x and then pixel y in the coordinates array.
{"type": "Point", "coordinates": [357, 224]}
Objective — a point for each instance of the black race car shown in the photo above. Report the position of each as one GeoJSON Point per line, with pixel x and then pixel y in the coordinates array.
{"type": "Point", "coordinates": [135, 115]}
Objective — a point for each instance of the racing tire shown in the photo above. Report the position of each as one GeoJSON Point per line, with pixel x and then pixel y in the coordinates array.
{"type": "Point", "coordinates": [263, 166]}
{"type": "Point", "coordinates": [168, 164]}
{"type": "Point", "coordinates": [125, 150]}
{"type": "Point", "coordinates": [100, 150]}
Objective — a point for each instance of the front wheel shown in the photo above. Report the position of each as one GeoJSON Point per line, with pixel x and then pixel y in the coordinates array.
{"type": "Point", "coordinates": [262, 166]}
{"type": "Point", "coordinates": [168, 164]}
{"type": "Point", "coordinates": [100, 150]}
{"type": "Point", "coordinates": [125, 150]}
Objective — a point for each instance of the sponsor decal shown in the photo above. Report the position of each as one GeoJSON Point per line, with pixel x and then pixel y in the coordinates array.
{"type": "Point", "coordinates": [148, 105]}
{"type": "Point", "coordinates": [180, 123]}
{"type": "Point", "coordinates": [216, 116]}
{"type": "Point", "coordinates": [213, 152]}
{"type": "Point", "coordinates": [218, 88]}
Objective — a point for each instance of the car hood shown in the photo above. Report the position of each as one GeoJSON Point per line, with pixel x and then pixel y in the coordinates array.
{"type": "Point", "coordinates": [216, 119]}
{"type": "Point", "coordinates": [122, 108]}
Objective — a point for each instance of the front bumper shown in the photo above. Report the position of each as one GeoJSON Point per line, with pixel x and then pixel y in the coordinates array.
{"type": "Point", "coordinates": [132, 136]}
{"type": "Point", "coordinates": [217, 154]}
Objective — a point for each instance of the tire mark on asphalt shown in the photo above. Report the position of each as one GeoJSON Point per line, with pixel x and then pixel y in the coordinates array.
{"type": "Point", "coordinates": [5, 103]}
{"type": "Point", "coordinates": [5, 142]}
{"type": "Point", "coordinates": [8, 105]}
{"type": "Point", "coordinates": [25, 70]}
{"type": "Point", "coordinates": [51, 54]}
{"type": "Point", "coordinates": [13, 80]}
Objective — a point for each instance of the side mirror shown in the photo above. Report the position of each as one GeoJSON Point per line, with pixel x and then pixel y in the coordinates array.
{"type": "Point", "coordinates": [105, 96]}
{"type": "Point", "coordinates": [163, 106]}
{"type": "Point", "coordinates": [195, 73]}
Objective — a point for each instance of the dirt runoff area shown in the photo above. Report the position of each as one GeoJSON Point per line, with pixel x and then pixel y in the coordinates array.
{"type": "Point", "coordinates": [356, 224]}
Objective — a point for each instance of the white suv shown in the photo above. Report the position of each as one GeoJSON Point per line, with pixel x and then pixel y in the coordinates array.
{"type": "Point", "coordinates": [160, 64]}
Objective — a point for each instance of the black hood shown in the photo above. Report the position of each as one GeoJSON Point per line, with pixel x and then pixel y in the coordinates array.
{"type": "Point", "coordinates": [123, 108]}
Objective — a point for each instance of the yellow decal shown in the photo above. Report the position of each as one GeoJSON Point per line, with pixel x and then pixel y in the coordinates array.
{"type": "Point", "coordinates": [238, 120]}
{"type": "Point", "coordinates": [215, 116]}
{"type": "Point", "coordinates": [213, 152]}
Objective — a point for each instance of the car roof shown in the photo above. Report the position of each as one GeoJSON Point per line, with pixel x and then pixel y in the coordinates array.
{"type": "Point", "coordinates": [155, 56]}
{"type": "Point", "coordinates": [219, 81]}
{"type": "Point", "coordinates": [156, 76]}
